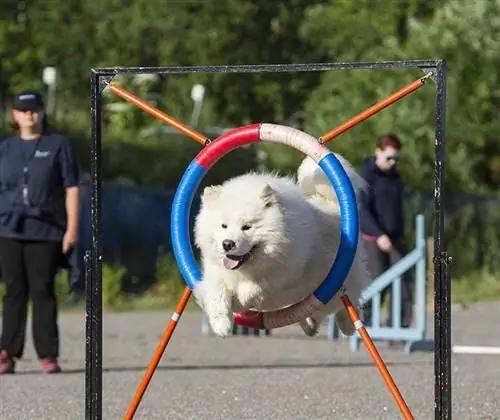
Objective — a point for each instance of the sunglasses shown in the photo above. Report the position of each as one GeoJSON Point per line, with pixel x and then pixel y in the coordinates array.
{"type": "Point", "coordinates": [392, 158]}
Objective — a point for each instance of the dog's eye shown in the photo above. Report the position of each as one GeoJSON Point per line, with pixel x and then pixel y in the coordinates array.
{"type": "Point", "coordinates": [224, 226]}
{"type": "Point", "coordinates": [245, 227]}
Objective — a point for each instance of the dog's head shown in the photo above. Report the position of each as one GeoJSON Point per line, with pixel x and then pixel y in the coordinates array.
{"type": "Point", "coordinates": [239, 224]}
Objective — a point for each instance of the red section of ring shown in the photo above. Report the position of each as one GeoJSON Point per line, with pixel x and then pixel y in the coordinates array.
{"type": "Point", "coordinates": [228, 141]}
{"type": "Point", "coordinates": [249, 319]}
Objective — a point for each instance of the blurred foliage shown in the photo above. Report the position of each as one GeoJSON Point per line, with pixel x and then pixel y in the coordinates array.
{"type": "Point", "coordinates": [76, 36]}
{"type": "Point", "coordinates": [148, 33]}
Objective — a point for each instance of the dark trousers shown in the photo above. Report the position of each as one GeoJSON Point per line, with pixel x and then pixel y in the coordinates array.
{"type": "Point", "coordinates": [380, 261]}
{"type": "Point", "coordinates": [29, 270]}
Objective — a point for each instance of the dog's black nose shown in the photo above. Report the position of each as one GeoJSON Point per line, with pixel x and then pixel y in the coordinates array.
{"type": "Point", "coordinates": [228, 244]}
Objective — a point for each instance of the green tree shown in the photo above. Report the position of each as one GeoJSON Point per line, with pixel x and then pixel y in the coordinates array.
{"type": "Point", "coordinates": [471, 47]}
{"type": "Point", "coordinates": [19, 61]}
{"type": "Point", "coordinates": [348, 31]}
{"type": "Point", "coordinates": [260, 32]}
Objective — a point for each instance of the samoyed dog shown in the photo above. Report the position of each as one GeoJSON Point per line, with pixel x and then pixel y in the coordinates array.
{"type": "Point", "coordinates": [268, 241]}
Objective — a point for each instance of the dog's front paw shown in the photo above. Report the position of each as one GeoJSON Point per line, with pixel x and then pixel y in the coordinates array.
{"type": "Point", "coordinates": [249, 295]}
{"type": "Point", "coordinates": [222, 326]}
{"type": "Point", "coordinates": [199, 297]}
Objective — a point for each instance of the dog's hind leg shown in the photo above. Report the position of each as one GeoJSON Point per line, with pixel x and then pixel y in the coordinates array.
{"type": "Point", "coordinates": [344, 322]}
{"type": "Point", "coordinates": [310, 326]}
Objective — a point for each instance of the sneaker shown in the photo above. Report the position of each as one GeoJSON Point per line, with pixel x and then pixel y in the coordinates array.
{"type": "Point", "coordinates": [7, 364]}
{"type": "Point", "coordinates": [50, 365]}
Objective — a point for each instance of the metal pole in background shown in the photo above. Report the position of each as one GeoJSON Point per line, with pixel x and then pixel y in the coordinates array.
{"type": "Point", "coordinates": [442, 280]}
{"type": "Point", "coordinates": [49, 77]}
{"type": "Point", "coordinates": [197, 95]}
{"type": "Point", "coordinates": [93, 360]}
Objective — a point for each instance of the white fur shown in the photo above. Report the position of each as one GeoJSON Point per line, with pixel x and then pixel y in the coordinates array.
{"type": "Point", "coordinates": [296, 228]}
{"type": "Point", "coordinates": [313, 181]}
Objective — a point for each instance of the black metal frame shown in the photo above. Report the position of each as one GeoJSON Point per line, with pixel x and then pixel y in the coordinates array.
{"type": "Point", "coordinates": [93, 258]}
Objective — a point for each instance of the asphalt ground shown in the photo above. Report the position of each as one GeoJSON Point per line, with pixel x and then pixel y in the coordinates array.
{"type": "Point", "coordinates": [285, 376]}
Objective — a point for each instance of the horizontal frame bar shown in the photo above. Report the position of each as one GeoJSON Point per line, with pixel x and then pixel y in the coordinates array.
{"type": "Point", "coordinates": [270, 68]}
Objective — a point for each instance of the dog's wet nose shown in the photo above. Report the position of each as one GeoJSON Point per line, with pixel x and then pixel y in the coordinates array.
{"type": "Point", "coordinates": [228, 244]}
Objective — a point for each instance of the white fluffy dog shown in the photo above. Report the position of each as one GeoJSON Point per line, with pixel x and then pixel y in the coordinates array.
{"type": "Point", "coordinates": [268, 242]}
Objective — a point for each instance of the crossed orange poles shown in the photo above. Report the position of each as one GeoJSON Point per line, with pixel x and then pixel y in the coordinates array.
{"type": "Point", "coordinates": [351, 310]}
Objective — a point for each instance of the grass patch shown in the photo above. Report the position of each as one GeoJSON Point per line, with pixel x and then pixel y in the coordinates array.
{"type": "Point", "coordinates": [482, 285]}
{"type": "Point", "coordinates": [163, 295]}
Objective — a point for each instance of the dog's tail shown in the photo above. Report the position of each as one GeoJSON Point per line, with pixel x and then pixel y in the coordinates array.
{"type": "Point", "coordinates": [313, 181]}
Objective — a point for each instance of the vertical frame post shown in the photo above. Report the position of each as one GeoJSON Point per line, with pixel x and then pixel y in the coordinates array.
{"type": "Point", "coordinates": [442, 280]}
{"type": "Point", "coordinates": [93, 366]}
{"type": "Point", "coordinates": [88, 334]}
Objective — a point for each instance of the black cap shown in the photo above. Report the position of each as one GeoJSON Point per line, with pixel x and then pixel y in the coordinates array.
{"type": "Point", "coordinates": [28, 101]}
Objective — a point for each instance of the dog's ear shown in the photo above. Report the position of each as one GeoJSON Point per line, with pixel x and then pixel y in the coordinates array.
{"type": "Point", "coordinates": [210, 193]}
{"type": "Point", "coordinates": [267, 196]}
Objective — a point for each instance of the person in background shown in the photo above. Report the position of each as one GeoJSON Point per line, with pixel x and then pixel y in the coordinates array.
{"type": "Point", "coordinates": [382, 221]}
{"type": "Point", "coordinates": [39, 211]}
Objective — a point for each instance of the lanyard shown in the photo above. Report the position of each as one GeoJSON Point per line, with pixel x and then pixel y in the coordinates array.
{"type": "Point", "coordinates": [25, 172]}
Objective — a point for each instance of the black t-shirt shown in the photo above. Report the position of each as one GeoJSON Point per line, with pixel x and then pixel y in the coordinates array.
{"type": "Point", "coordinates": [47, 166]}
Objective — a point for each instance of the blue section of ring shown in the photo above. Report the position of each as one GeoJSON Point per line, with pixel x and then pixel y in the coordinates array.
{"type": "Point", "coordinates": [349, 219]}
{"type": "Point", "coordinates": [179, 223]}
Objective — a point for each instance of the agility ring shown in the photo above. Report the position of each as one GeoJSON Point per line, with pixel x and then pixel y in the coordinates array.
{"type": "Point", "coordinates": [325, 158]}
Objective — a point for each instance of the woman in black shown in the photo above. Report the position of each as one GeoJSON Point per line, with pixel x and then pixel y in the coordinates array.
{"type": "Point", "coordinates": [382, 221]}
{"type": "Point", "coordinates": [39, 210]}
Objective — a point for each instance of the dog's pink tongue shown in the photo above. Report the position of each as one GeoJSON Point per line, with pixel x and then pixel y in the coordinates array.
{"type": "Point", "coordinates": [229, 263]}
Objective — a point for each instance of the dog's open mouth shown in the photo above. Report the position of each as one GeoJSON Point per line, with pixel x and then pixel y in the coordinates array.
{"type": "Point", "coordinates": [233, 262]}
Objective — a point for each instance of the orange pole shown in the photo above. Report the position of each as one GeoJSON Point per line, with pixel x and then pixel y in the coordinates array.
{"type": "Point", "coordinates": [200, 138]}
{"type": "Point", "coordinates": [158, 354]}
{"type": "Point", "coordinates": [396, 96]}
{"type": "Point", "coordinates": [353, 314]}
{"type": "Point", "coordinates": [167, 119]}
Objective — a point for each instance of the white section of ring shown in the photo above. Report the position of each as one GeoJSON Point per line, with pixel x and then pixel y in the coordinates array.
{"type": "Point", "coordinates": [292, 314]}
{"type": "Point", "coordinates": [295, 138]}
{"type": "Point", "coordinates": [175, 316]}
{"type": "Point", "coordinates": [358, 324]}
